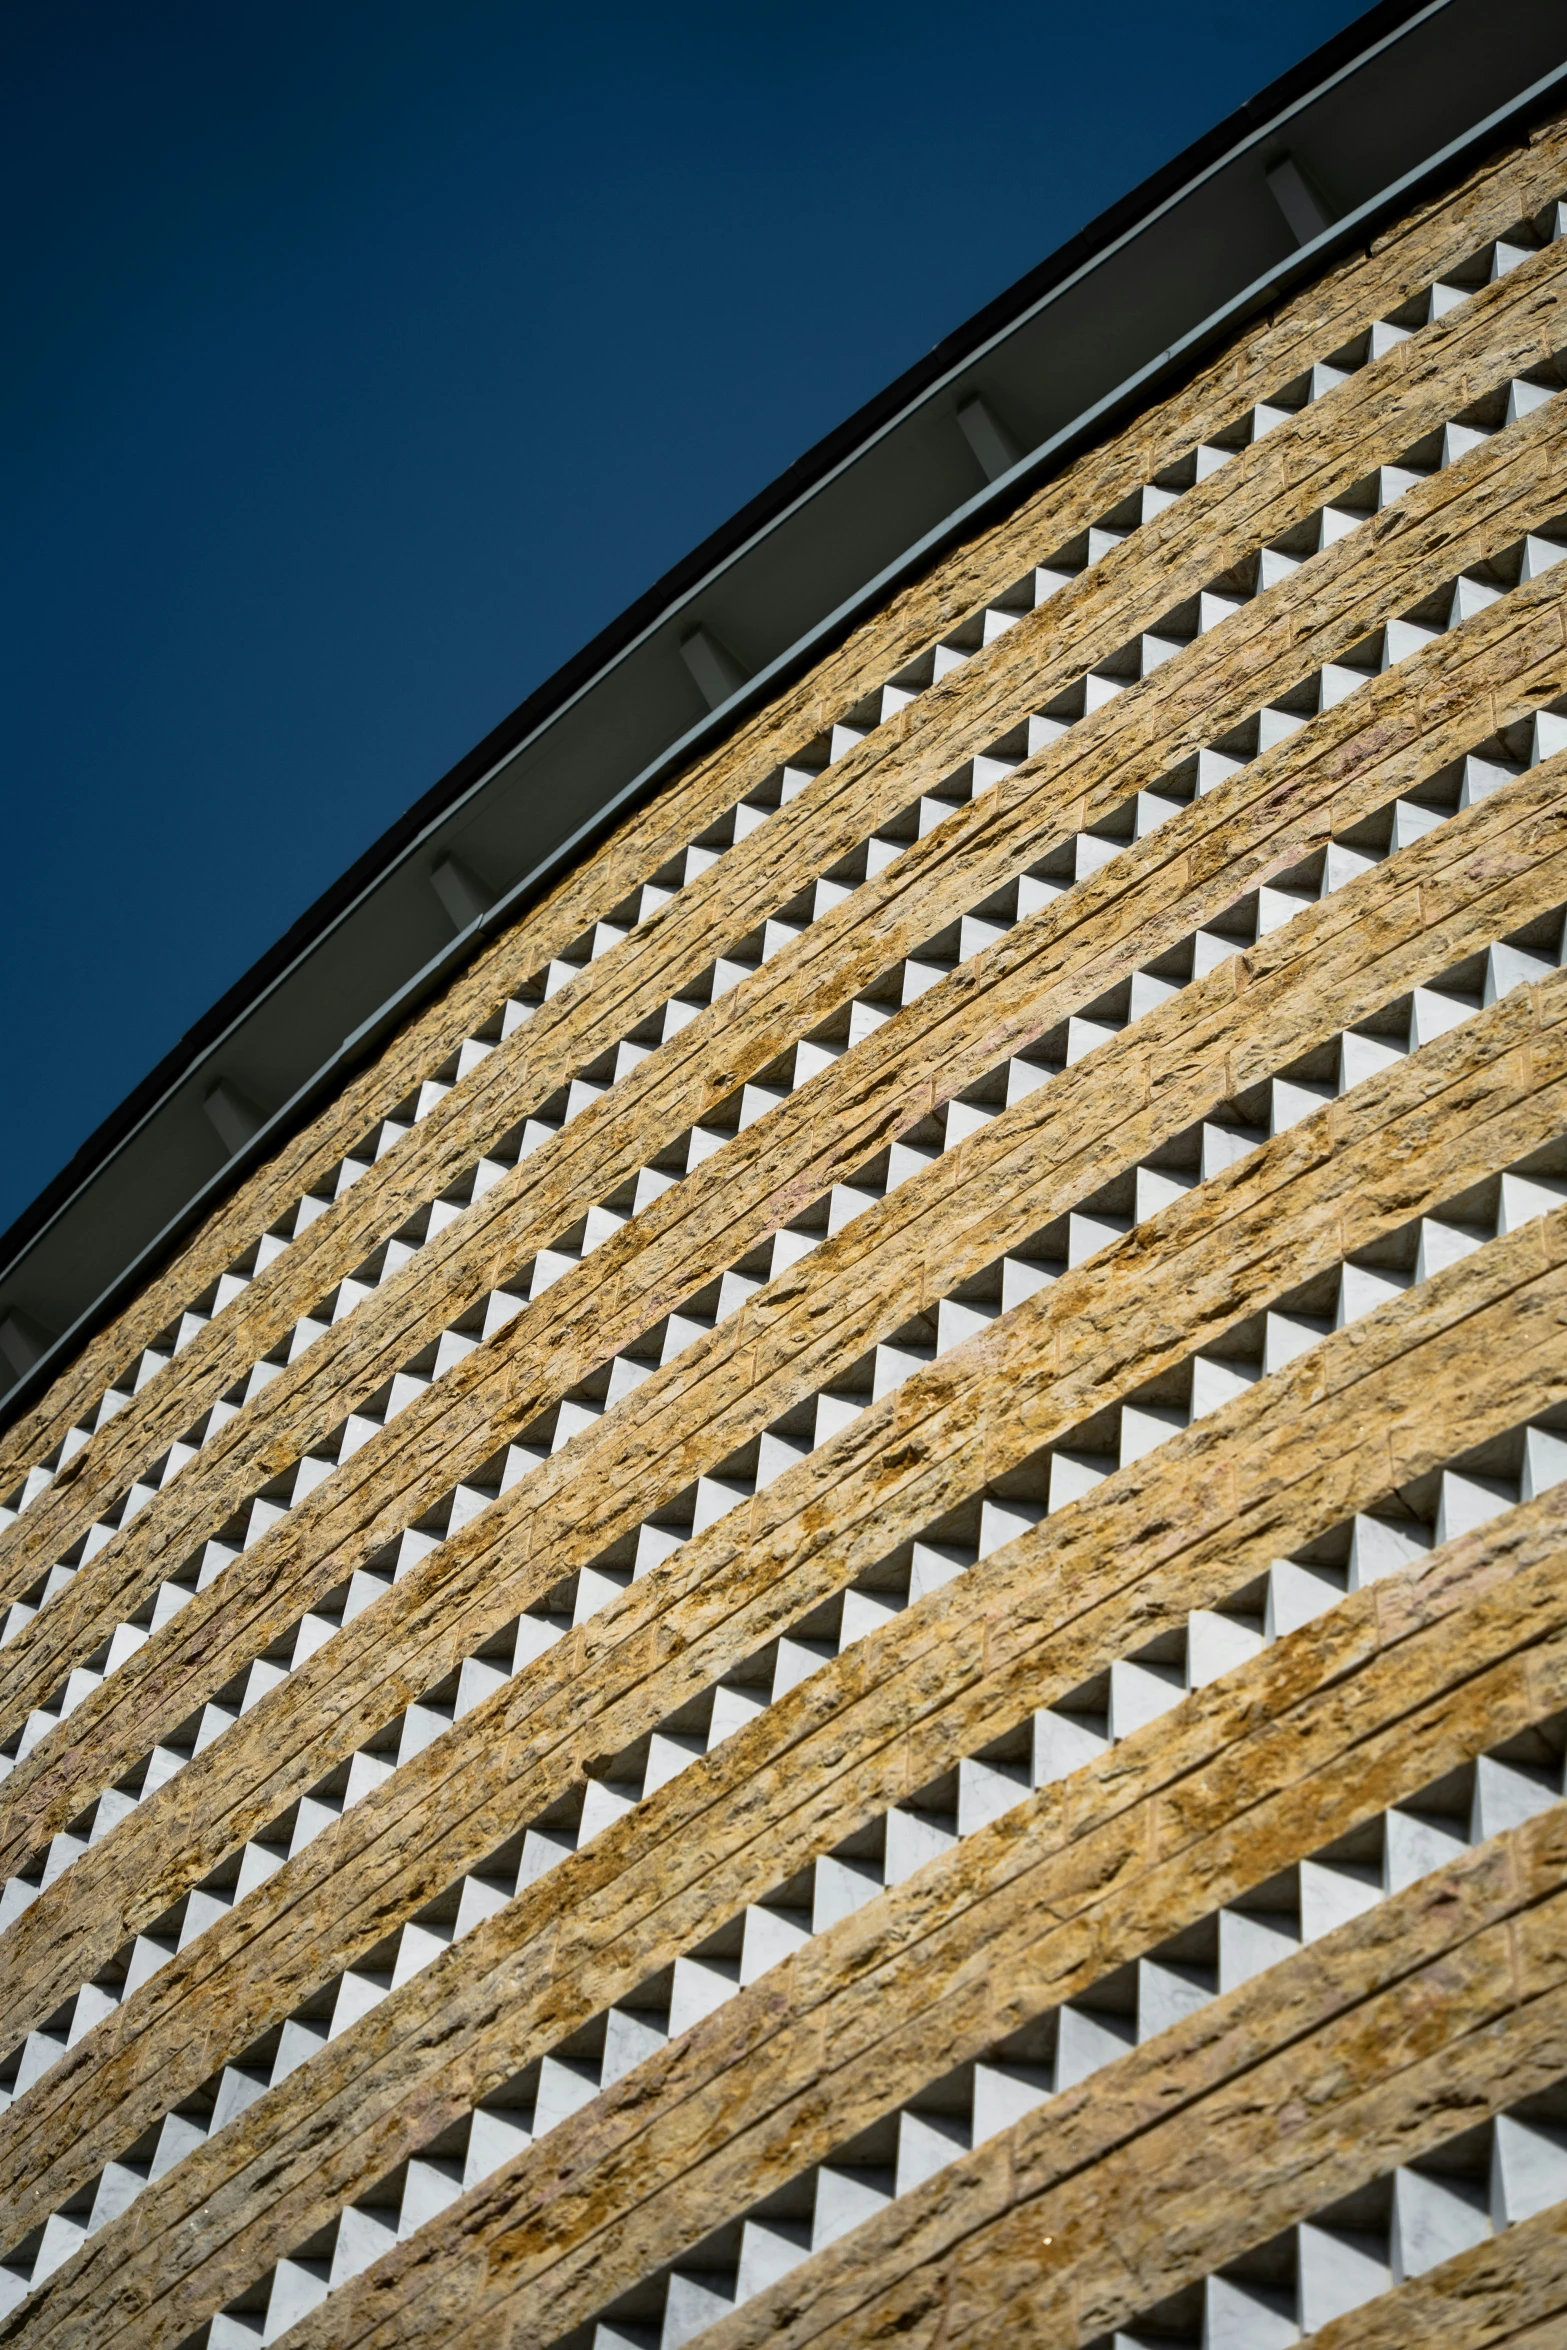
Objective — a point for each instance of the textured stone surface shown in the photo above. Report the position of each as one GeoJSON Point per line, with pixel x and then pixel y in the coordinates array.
{"type": "Point", "coordinates": [1464, 1107]}
{"type": "Point", "coordinates": [567, 1512]}
{"type": "Point", "coordinates": [1250, 1775]}
{"type": "Point", "coordinates": [1029, 1625]}
{"type": "Point", "coordinates": [1084, 2211]}
{"type": "Point", "coordinates": [1510, 2292]}
{"type": "Point", "coordinates": [1409, 726]}
{"type": "Point", "coordinates": [1447, 2002]}
{"type": "Point", "coordinates": [350, 1516]}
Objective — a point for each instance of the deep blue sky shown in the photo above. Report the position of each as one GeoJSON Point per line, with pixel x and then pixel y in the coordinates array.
{"type": "Point", "coordinates": [363, 358]}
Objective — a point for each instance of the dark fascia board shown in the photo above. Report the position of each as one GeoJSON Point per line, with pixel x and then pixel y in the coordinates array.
{"type": "Point", "coordinates": [1262, 117]}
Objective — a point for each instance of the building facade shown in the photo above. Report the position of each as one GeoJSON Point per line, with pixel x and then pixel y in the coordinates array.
{"type": "Point", "coordinates": [839, 1613]}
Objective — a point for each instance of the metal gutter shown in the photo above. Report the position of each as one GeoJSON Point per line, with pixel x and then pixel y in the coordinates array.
{"type": "Point", "coordinates": [77, 1204]}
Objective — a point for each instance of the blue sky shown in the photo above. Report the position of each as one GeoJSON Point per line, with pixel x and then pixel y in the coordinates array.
{"type": "Point", "coordinates": [364, 358]}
